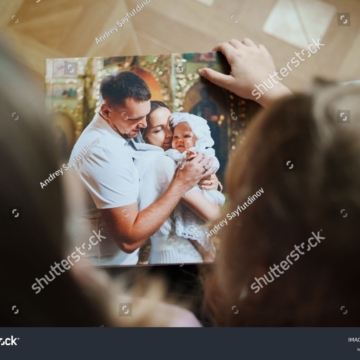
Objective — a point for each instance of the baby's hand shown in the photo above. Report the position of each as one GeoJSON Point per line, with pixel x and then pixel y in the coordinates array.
{"type": "Point", "coordinates": [190, 154]}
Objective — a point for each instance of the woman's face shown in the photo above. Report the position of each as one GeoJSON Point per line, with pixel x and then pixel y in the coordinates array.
{"type": "Point", "coordinates": [183, 138]}
{"type": "Point", "coordinates": [158, 132]}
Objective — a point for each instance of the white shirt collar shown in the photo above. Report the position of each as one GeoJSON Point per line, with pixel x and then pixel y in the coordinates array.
{"type": "Point", "coordinates": [101, 122]}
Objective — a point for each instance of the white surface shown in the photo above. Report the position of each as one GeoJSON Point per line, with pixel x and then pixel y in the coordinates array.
{"type": "Point", "coordinates": [297, 22]}
{"type": "Point", "coordinates": [206, 2]}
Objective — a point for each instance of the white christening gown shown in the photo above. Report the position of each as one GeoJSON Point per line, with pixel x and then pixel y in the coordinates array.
{"type": "Point", "coordinates": [156, 171]}
{"type": "Point", "coordinates": [187, 224]}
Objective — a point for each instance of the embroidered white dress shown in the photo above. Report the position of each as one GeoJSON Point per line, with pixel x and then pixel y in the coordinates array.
{"type": "Point", "coordinates": [155, 173]}
{"type": "Point", "coordinates": [169, 248]}
{"type": "Point", "coordinates": [187, 224]}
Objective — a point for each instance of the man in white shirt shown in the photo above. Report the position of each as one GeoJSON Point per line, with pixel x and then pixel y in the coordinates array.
{"type": "Point", "coordinates": [108, 172]}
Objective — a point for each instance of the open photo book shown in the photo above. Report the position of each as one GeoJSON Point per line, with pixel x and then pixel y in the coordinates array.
{"type": "Point", "coordinates": [203, 118]}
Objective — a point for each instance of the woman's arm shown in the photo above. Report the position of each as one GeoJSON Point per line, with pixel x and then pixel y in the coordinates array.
{"type": "Point", "coordinates": [209, 183]}
{"type": "Point", "coordinates": [201, 206]}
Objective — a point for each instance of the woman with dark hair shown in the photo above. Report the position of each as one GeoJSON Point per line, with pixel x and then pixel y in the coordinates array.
{"type": "Point", "coordinates": [291, 256]}
{"type": "Point", "coordinates": [166, 245]}
{"type": "Point", "coordinates": [159, 133]}
{"type": "Point", "coordinates": [158, 130]}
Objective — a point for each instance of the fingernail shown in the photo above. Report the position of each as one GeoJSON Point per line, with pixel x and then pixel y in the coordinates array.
{"type": "Point", "coordinates": [201, 71]}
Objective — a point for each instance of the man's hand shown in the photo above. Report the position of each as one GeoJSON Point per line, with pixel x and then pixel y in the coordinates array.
{"type": "Point", "coordinates": [251, 64]}
{"type": "Point", "coordinates": [193, 171]}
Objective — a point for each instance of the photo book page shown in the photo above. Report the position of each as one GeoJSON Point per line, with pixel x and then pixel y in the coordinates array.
{"type": "Point", "coordinates": [73, 97]}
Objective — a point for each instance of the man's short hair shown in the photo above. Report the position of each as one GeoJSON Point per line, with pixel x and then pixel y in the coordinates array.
{"type": "Point", "coordinates": [115, 89]}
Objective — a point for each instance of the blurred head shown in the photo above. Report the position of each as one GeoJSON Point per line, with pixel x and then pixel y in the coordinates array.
{"type": "Point", "coordinates": [183, 138]}
{"type": "Point", "coordinates": [40, 236]}
{"type": "Point", "coordinates": [126, 103]}
{"type": "Point", "coordinates": [44, 232]}
{"type": "Point", "coordinates": [158, 130]}
{"type": "Point", "coordinates": [308, 198]}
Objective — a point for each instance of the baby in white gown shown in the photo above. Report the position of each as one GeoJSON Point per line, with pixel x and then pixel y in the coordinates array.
{"type": "Point", "coordinates": [192, 135]}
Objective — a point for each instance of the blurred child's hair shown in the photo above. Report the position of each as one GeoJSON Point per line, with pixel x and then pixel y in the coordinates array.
{"type": "Point", "coordinates": [42, 235]}
{"type": "Point", "coordinates": [317, 193]}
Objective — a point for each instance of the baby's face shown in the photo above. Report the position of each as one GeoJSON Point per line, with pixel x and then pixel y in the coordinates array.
{"type": "Point", "coordinates": [183, 137]}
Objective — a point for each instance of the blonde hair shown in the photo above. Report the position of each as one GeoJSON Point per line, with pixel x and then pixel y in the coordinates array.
{"type": "Point", "coordinates": [308, 131]}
